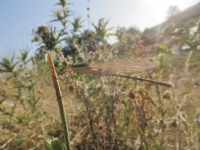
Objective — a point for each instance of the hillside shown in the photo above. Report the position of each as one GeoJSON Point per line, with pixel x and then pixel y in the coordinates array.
{"type": "Point", "coordinates": [186, 17]}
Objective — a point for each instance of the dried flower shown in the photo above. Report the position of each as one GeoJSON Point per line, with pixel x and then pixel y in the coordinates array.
{"type": "Point", "coordinates": [71, 88]}
{"type": "Point", "coordinates": [167, 95]}
{"type": "Point", "coordinates": [42, 29]}
{"type": "Point", "coordinates": [131, 95]}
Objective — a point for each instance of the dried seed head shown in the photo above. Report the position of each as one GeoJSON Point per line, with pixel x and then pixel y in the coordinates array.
{"type": "Point", "coordinates": [88, 16]}
{"type": "Point", "coordinates": [167, 95]}
{"type": "Point", "coordinates": [71, 88]}
{"type": "Point", "coordinates": [100, 127]}
{"type": "Point", "coordinates": [58, 14]}
{"type": "Point", "coordinates": [42, 29]}
{"type": "Point", "coordinates": [88, 8]}
{"type": "Point", "coordinates": [174, 123]}
{"type": "Point", "coordinates": [161, 121]}
{"type": "Point", "coordinates": [131, 95]}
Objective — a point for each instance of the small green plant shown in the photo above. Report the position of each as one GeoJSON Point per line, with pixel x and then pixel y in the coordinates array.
{"type": "Point", "coordinates": [54, 144]}
{"type": "Point", "coordinates": [22, 79]}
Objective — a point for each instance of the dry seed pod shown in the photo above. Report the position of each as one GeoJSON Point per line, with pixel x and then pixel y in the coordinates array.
{"type": "Point", "coordinates": [71, 88]}
{"type": "Point", "coordinates": [161, 121]}
{"type": "Point", "coordinates": [131, 95]}
{"type": "Point", "coordinates": [42, 29]}
{"type": "Point", "coordinates": [174, 123]}
{"type": "Point", "coordinates": [167, 95]}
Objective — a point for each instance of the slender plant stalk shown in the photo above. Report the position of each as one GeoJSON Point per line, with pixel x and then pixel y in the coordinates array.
{"type": "Point", "coordinates": [141, 117]}
{"type": "Point", "coordinates": [59, 100]}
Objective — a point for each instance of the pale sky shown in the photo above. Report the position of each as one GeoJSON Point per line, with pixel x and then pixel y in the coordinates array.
{"type": "Point", "coordinates": [19, 17]}
{"type": "Point", "coordinates": [141, 13]}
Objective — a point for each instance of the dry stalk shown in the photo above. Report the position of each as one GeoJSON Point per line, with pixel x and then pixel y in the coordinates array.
{"type": "Point", "coordinates": [187, 61]}
{"type": "Point", "coordinates": [140, 113]}
{"type": "Point", "coordinates": [59, 100]}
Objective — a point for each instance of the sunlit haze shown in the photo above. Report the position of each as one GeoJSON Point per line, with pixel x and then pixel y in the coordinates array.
{"type": "Point", "coordinates": [18, 18]}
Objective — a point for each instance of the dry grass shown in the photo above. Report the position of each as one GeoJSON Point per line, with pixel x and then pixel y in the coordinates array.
{"type": "Point", "coordinates": [115, 115]}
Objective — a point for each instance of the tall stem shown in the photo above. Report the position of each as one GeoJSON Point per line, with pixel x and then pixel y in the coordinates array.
{"type": "Point", "coordinates": [60, 101]}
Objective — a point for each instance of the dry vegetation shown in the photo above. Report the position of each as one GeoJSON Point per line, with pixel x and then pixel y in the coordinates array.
{"type": "Point", "coordinates": [108, 113]}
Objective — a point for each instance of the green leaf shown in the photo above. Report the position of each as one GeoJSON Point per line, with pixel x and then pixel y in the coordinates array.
{"type": "Point", "coordinates": [7, 64]}
{"type": "Point", "coordinates": [3, 99]}
{"type": "Point", "coordinates": [187, 92]}
{"type": "Point", "coordinates": [57, 144]}
{"type": "Point", "coordinates": [13, 110]}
